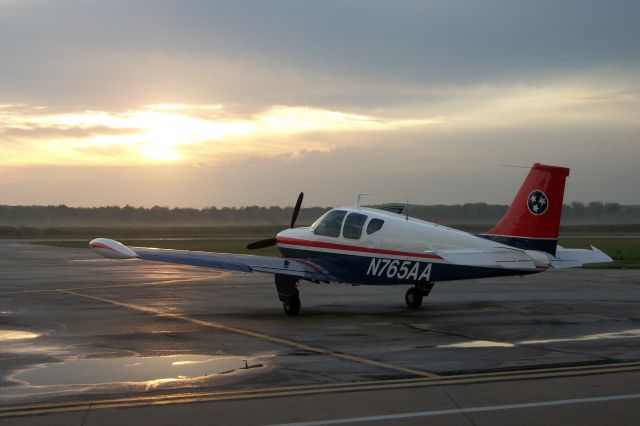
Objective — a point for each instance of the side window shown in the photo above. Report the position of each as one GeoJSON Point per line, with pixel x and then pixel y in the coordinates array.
{"type": "Point", "coordinates": [374, 225]}
{"type": "Point", "coordinates": [331, 224]}
{"type": "Point", "coordinates": [353, 226]}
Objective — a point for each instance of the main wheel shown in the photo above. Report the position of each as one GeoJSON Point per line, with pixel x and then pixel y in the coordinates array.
{"type": "Point", "coordinates": [292, 306]}
{"type": "Point", "coordinates": [413, 298]}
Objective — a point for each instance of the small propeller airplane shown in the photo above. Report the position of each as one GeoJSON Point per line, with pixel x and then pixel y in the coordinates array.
{"type": "Point", "coordinates": [365, 246]}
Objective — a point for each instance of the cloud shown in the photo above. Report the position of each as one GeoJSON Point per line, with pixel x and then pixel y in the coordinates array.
{"type": "Point", "coordinates": [254, 95]}
{"type": "Point", "coordinates": [123, 54]}
{"type": "Point", "coordinates": [175, 132]}
{"type": "Point", "coordinates": [218, 134]}
{"type": "Point", "coordinates": [443, 167]}
{"type": "Point", "coordinates": [46, 132]}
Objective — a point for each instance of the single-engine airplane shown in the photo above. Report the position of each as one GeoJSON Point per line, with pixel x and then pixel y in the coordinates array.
{"type": "Point", "coordinates": [366, 246]}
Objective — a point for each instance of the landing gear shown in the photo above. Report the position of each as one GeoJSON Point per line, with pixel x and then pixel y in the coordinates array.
{"type": "Point", "coordinates": [292, 306]}
{"type": "Point", "coordinates": [413, 297]}
{"type": "Point", "coordinates": [288, 294]}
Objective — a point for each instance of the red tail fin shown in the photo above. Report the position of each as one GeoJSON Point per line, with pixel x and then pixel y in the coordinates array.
{"type": "Point", "coordinates": [532, 221]}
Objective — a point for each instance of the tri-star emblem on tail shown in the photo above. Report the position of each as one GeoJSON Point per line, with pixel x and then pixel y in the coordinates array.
{"type": "Point", "coordinates": [537, 202]}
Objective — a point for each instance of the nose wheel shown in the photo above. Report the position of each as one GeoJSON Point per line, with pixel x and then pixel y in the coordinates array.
{"type": "Point", "coordinates": [413, 297]}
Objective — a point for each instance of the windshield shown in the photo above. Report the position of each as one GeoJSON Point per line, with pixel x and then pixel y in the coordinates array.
{"type": "Point", "coordinates": [331, 224]}
{"type": "Point", "coordinates": [318, 220]}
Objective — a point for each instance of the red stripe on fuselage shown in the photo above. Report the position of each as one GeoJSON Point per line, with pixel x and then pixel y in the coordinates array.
{"type": "Point", "coordinates": [334, 246]}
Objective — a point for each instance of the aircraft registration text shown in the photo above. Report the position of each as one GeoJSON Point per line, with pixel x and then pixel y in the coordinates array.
{"type": "Point", "coordinates": [400, 269]}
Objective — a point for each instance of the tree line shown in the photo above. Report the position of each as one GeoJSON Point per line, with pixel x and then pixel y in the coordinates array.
{"type": "Point", "coordinates": [575, 213]}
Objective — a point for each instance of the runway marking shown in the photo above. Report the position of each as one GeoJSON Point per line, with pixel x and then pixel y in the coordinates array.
{"type": "Point", "coordinates": [466, 410]}
{"type": "Point", "coordinates": [257, 335]}
{"type": "Point", "coordinates": [223, 395]}
{"type": "Point", "coordinates": [624, 334]}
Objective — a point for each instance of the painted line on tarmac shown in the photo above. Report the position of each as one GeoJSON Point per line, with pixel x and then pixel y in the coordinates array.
{"type": "Point", "coordinates": [301, 390]}
{"type": "Point", "coordinates": [257, 335]}
{"type": "Point", "coordinates": [484, 409]}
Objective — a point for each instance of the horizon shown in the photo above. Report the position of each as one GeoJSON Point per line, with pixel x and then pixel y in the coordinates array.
{"type": "Point", "coordinates": [565, 203]}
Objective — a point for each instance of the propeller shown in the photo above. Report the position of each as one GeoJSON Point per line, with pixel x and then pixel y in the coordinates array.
{"type": "Point", "coordinates": [268, 242]}
{"type": "Point", "coordinates": [296, 210]}
{"type": "Point", "coordinates": [262, 244]}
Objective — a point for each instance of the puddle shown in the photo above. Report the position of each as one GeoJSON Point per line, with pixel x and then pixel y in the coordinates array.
{"type": "Point", "coordinates": [16, 335]}
{"type": "Point", "coordinates": [151, 370]}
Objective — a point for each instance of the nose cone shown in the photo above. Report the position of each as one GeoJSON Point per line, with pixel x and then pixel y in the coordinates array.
{"type": "Point", "coordinates": [283, 235]}
{"type": "Point", "coordinates": [293, 234]}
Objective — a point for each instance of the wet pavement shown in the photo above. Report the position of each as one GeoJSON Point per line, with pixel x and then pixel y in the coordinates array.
{"type": "Point", "coordinates": [95, 329]}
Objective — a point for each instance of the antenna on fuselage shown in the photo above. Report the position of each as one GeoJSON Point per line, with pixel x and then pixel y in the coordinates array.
{"type": "Point", "coordinates": [406, 209]}
{"type": "Point", "coordinates": [360, 194]}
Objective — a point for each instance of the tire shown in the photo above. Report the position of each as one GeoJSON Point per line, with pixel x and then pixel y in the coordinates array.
{"type": "Point", "coordinates": [292, 306]}
{"type": "Point", "coordinates": [413, 298]}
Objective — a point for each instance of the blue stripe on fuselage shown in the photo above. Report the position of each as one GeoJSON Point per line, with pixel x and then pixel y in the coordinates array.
{"type": "Point", "coordinates": [367, 270]}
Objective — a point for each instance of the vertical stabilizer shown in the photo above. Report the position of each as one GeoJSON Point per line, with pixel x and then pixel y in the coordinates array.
{"type": "Point", "coordinates": [532, 221]}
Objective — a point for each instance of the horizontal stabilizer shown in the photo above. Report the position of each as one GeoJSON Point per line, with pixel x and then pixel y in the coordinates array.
{"type": "Point", "coordinates": [498, 258]}
{"type": "Point", "coordinates": [574, 258]}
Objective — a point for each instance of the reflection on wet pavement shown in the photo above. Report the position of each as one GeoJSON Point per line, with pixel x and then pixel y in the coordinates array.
{"type": "Point", "coordinates": [16, 335]}
{"type": "Point", "coordinates": [149, 370]}
{"type": "Point", "coordinates": [133, 369]}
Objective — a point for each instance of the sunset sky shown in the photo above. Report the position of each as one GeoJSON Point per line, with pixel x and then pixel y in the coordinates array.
{"type": "Point", "coordinates": [231, 103]}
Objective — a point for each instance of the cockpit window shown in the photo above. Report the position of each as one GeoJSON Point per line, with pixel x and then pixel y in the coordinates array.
{"type": "Point", "coordinates": [331, 224]}
{"type": "Point", "coordinates": [353, 226]}
{"type": "Point", "coordinates": [374, 225]}
{"type": "Point", "coordinates": [318, 220]}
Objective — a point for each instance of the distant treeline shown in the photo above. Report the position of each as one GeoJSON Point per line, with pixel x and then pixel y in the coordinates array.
{"type": "Point", "coordinates": [473, 213]}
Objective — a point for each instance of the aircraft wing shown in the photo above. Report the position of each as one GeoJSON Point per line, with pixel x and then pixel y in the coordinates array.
{"type": "Point", "coordinates": [230, 262]}
{"type": "Point", "coordinates": [574, 258]}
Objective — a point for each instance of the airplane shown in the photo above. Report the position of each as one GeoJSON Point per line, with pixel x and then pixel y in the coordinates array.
{"type": "Point", "coordinates": [367, 246]}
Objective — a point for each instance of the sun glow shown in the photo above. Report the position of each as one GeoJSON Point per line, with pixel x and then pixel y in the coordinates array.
{"type": "Point", "coordinates": [212, 133]}
{"type": "Point", "coordinates": [168, 133]}
{"type": "Point", "coordinates": [159, 153]}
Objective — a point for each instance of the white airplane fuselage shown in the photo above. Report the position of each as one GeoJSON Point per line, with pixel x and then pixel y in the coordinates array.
{"type": "Point", "coordinates": [404, 250]}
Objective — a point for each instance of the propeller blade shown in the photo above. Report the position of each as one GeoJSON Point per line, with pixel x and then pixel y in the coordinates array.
{"type": "Point", "coordinates": [296, 210]}
{"type": "Point", "coordinates": [261, 244]}
{"type": "Point", "coordinates": [268, 242]}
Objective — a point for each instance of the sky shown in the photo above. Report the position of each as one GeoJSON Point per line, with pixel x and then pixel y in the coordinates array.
{"type": "Point", "coordinates": [233, 103]}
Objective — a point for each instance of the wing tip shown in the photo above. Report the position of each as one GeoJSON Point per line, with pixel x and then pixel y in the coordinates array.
{"type": "Point", "coordinates": [111, 249]}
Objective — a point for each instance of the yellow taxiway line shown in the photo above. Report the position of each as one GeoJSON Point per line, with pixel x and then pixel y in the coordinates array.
{"type": "Point", "coordinates": [257, 335]}
{"type": "Point", "coordinates": [209, 396]}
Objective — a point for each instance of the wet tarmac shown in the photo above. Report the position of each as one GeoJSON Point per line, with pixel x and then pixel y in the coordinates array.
{"type": "Point", "coordinates": [86, 331]}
